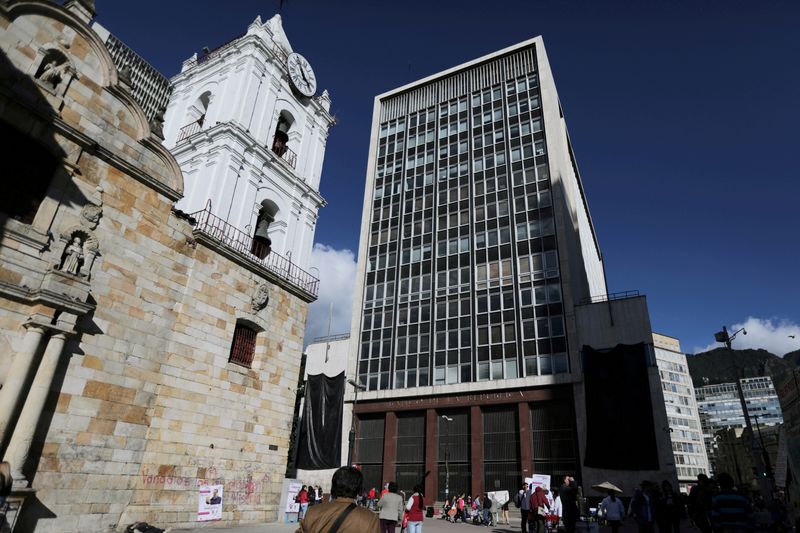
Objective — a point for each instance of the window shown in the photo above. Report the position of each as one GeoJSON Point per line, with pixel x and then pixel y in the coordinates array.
{"type": "Point", "coordinates": [243, 347]}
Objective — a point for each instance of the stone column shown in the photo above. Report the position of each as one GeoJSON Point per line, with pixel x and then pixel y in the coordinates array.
{"type": "Point", "coordinates": [525, 441]}
{"type": "Point", "coordinates": [431, 455]}
{"type": "Point", "coordinates": [12, 394]}
{"type": "Point", "coordinates": [20, 445]}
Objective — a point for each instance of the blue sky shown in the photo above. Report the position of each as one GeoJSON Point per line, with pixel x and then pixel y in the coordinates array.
{"type": "Point", "coordinates": [683, 116]}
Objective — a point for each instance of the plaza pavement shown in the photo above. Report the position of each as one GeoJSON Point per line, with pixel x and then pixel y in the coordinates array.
{"type": "Point", "coordinates": [430, 525]}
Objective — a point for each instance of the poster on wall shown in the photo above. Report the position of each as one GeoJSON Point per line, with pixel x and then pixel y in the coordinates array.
{"type": "Point", "coordinates": [291, 505]}
{"type": "Point", "coordinates": [209, 503]}
{"type": "Point", "coordinates": [538, 480]}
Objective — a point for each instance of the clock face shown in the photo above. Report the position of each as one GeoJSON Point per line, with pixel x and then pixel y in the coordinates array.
{"type": "Point", "coordinates": [302, 75]}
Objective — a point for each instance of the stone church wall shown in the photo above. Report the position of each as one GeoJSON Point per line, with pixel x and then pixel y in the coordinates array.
{"type": "Point", "coordinates": [143, 405]}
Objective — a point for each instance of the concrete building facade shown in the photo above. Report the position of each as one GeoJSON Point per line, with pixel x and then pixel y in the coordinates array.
{"type": "Point", "coordinates": [144, 355]}
{"type": "Point", "coordinates": [479, 279]}
{"type": "Point", "coordinates": [686, 433]}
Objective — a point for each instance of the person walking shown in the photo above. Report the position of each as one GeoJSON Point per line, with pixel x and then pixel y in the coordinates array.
{"type": "Point", "coordinates": [416, 511]}
{"type": "Point", "coordinates": [641, 508]}
{"type": "Point", "coordinates": [523, 501]}
{"type": "Point", "coordinates": [318, 495]}
{"type": "Point", "coordinates": [700, 504]}
{"type": "Point", "coordinates": [341, 515]}
{"type": "Point", "coordinates": [488, 505]}
{"type": "Point", "coordinates": [730, 511]}
{"type": "Point", "coordinates": [503, 513]}
{"type": "Point", "coordinates": [669, 509]}
{"type": "Point", "coordinates": [568, 492]}
{"type": "Point", "coordinates": [613, 510]}
{"type": "Point", "coordinates": [390, 508]}
{"type": "Point", "coordinates": [302, 499]}
{"type": "Point", "coordinates": [540, 508]}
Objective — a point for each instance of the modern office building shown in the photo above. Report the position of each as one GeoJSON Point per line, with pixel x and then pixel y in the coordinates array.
{"type": "Point", "coordinates": [480, 290]}
{"type": "Point", "coordinates": [720, 407]}
{"type": "Point", "coordinates": [682, 413]}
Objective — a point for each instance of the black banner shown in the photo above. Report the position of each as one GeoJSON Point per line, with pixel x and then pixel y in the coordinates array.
{"type": "Point", "coordinates": [320, 440]}
{"type": "Point", "coordinates": [620, 433]}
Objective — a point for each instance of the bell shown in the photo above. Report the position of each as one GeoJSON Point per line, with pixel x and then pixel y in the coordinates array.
{"type": "Point", "coordinates": [261, 242]}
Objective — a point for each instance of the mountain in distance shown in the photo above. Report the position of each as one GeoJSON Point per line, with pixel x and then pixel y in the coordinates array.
{"type": "Point", "coordinates": [721, 365]}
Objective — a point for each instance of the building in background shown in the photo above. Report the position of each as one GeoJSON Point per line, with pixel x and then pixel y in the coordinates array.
{"type": "Point", "coordinates": [686, 434]}
{"type": "Point", "coordinates": [149, 87]}
{"type": "Point", "coordinates": [787, 463]}
{"type": "Point", "coordinates": [145, 356]}
{"type": "Point", "coordinates": [249, 132]}
{"type": "Point", "coordinates": [480, 292]}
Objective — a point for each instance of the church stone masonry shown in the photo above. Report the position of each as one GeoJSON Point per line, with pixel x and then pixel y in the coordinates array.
{"type": "Point", "coordinates": [117, 313]}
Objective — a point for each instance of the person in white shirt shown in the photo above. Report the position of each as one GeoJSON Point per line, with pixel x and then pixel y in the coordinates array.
{"type": "Point", "coordinates": [613, 510]}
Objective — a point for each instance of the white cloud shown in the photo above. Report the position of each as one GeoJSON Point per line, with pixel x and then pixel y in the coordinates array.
{"type": "Point", "coordinates": [770, 334]}
{"type": "Point", "coordinates": [337, 274]}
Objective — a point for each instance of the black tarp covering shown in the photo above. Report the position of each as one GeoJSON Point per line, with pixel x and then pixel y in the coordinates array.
{"type": "Point", "coordinates": [320, 440]}
{"type": "Point", "coordinates": [619, 427]}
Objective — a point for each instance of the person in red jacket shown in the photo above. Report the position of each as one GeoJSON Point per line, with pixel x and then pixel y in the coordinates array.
{"type": "Point", "coordinates": [540, 508]}
{"type": "Point", "coordinates": [415, 510]}
{"type": "Point", "coordinates": [302, 499]}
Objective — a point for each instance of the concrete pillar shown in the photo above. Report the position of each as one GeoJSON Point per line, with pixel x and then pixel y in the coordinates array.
{"type": "Point", "coordinates": [389, 447]}
{"type": "Point", "coordinates": [431, 455]}
{"type": "Point", "coordinates": [12, 394]}
{"type": "Point", "coordinates": [525, 441]}
{"type": "Point", "coordinates": [20, 445]}
{"type": "Point", "coordinates": [476, 448]}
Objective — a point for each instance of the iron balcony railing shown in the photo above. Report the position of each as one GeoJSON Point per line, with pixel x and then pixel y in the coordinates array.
{"type": "Point", "coordinates": [287, 154]}
{"type": "Point", "coordinates": [242, 243]}
{"type": "Point", "coordinates": [211, 54]}
{"type": "Point", "coordinates": [189, 130]}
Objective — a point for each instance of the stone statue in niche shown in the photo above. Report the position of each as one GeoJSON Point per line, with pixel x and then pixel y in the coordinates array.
{"type": "Point", "coordinates": [126, 74]}
{"type": "Point", "coordinates": [157, 125]}
{"type": "Point", "coordinates": [73, 257]}
{"type": "Point", "coordinates": [53, 71]}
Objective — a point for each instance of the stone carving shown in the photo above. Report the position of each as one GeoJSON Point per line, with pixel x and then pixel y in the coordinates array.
{"type": "Point", "coordinates": [73, 257]}
{"type": "Point", "coordinates": [53, 71]}
{"type": "Point", "coordinates": [157, 125]}
{"type": "Point", "coordinates": [90, 215]}
{"type": "Point", "coordinates": [125, 74]}
{"type": "Point", "coordinates": [260, 297]}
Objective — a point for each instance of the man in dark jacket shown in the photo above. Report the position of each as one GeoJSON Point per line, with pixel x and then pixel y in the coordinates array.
{"type": "Point", "coordinates": [524, 503]}
{"type": "Point", "coordinates": [569, 503]}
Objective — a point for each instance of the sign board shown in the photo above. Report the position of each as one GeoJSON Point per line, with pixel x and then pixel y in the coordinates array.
{"type": "Point", "coordinates": [291, 494]}
{"type": "Point", "coordinates": [538, 480]}
{"type": "Point", "coordinates": [499, 497]}
{"type": "Point", "coordinates": [209, 503]}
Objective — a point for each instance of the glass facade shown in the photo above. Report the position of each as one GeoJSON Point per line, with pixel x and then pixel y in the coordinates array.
{"type": "Point", "coordinates": [463, 280]}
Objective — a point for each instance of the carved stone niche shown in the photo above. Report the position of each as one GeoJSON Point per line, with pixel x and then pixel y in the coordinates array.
{"type": "Point", "coordinates": [79, 247]}
{"type": "Point", "coordinates": [54, 71]}
{"type": "Point", "coordinates": [260, 297]}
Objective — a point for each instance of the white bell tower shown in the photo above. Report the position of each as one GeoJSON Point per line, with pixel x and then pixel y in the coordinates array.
{"type": "Point", "coordinates": [249, 130]}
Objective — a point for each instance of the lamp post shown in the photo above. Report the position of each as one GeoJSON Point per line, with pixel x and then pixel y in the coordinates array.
{"type": "Point", "coordinates": [447, 458]}
{"type": "Point", "coordinates": [727, 339]}
{"type": "Point", "coordinates": [352, 437]}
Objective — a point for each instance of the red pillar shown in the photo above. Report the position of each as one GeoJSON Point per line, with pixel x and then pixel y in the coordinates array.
{"type": "Point", "coordinates": [476, 448]}
{"type": "Point", "coordinates": [431, 455]}
{"type": "Point", "coordinates": [389, 447]}
{"type": "Point", "coordinates": [525, 443]}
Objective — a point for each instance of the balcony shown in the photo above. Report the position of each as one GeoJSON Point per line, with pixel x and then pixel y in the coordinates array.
{"type": "Point", "coordinates": [208, 55]}
{"type": "Point", "coordinates": [279, 147]}
{"type": "Point", "coordinates": [189, 130]}
{"type": "Point", "coordinates": [236, 240]}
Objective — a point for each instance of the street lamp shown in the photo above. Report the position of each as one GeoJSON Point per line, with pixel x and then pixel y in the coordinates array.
{"type": "Point", "coordinates": [447, 458]}
{"type": "Point", "coordinates": [352, 437]}
{"type": "Point", "coordinates": [727, 339]}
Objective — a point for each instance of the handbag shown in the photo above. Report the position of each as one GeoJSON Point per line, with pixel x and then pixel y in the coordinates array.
{"type": "Point", "coordinates": [541, 510]}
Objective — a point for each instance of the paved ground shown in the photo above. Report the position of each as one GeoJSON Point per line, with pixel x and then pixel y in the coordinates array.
{"type": "Point", "coordinates": [429, 526]}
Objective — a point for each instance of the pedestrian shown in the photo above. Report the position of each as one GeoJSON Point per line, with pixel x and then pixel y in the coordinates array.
{"type": "Point", "coordinates": [669, 509]}
{"type": "Point", "coordinates": [390, 508]}
{"type": "Point", "coordinates": [523, 502]}
{"type": "Point", "coordinates": [416, 510]}
{"type": "Point", "coordinates": [613, 510]}
{"type": "Point", "coordinates": [460, 508]}
{"type": "Point", "coordinates": [372, 498]}
{"type": "Point", "coordinates": [488, 505]}
{"type": "Point", "coordinates": [700, 504]}
{"type": "Point", "coordinates": [503, 513]}
{"type": "Point", "coordinates": [539, 510]}
{"type": "Point", "coordinates": [730, 511]}
{"type": "Point", "coordinates": [569, 503]}
{"type": "Point", "coordinates": [342, 514]}
{"type": "Point", "coordinates": [302, 499]}
{"type": "Point", "coordinates": [641, 508]}
{"type": "Point", "coordinates": [557, 508]}
{"type": "Point", "coordinates": [318, 495]}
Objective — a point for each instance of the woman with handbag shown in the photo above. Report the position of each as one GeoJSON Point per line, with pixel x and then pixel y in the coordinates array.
{"type": "Point", "coordinates": [540, 508]}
